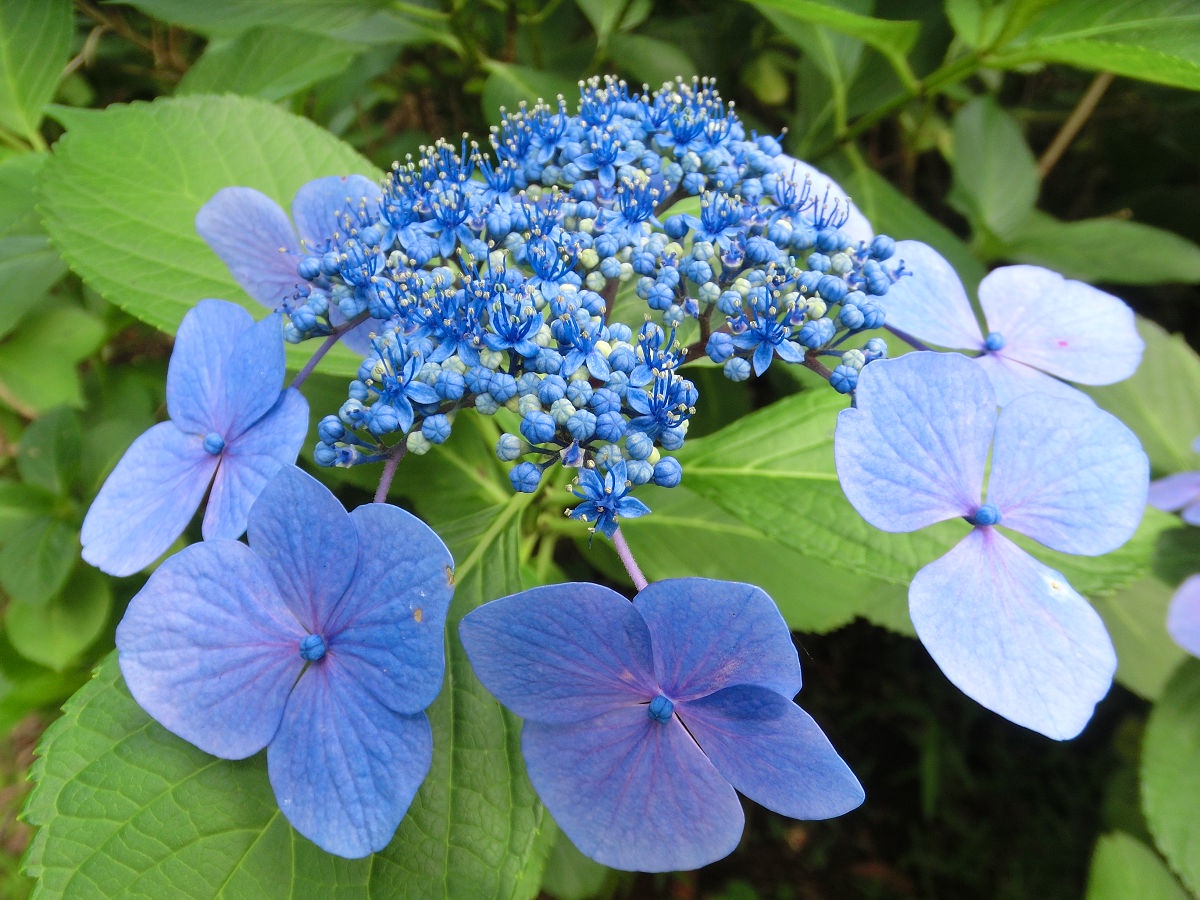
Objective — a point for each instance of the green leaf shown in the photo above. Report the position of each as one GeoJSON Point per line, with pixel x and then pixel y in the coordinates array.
{"type": "Point", "coordinates": [124, 807]}
{"type": "Point", "coordinates": [1153, 40]}
{"type": "Point", "coordinates": [507, 85]}
{"type": "Point", "coordinates": [124, 185]}
{"type": "Point", "coordinates": [50, 450]}
{"type": "Point", "coordinates": [55, 633]}
{"type": "Point", "coordinates": [1105, 250]}
{"type": "Point", "coordinates": [995, 175]}
{"type": "Point", "coordinates": [1170, 776]}
{"type": "Point", "coordinates": [1136, 618]}
{"type": "Point", "coordinates": [37, 362]}
{"type": "Point", "coordinates": [29, 267]}
{"type": "Point", "coordinates": [35, 41]}
{"type": "Point", "coordinates": [18, 195]}
{"type": "Point", "coordinates": [650, 60]}
{"type": "Point", "coordinates": [20, 504]}
{"type": "Point", "coordinates": [268, 62]}
{"type": "Point", "coordinates": [607, 16]}
{"type": "Point", "coordinates": [36, 562]}
{"type": "Point", "coordinates": [1124, 867]}
{"type": "Point", "coordinates": [570, 875]}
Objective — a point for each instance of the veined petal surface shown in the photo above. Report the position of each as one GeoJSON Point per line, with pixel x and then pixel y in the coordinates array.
{"type": "Point", "coordinates": [253, 237]}
{"type": "Point", "coordinates": [1011, 379]}
{"type": "Point", "coordinates": [1013, 635]}
{"type": "Point", "coordinates": [931, 304]}
{"type": "Point", "coordinates": [197, 373]}
{"type": "Point", "coordinates": [253, 375]}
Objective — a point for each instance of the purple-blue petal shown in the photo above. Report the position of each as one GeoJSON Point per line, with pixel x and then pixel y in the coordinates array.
{"type": "Point", "coordinates": [319, 206]}
{"type": "Point", "coordinates": [633, 793]}
{"type": "Point", "coordinates": [913, 450]}
{"type": "Point", "coordinates": [1011, 379]}
{"type": "Point", "coordinates": [344, 767]}
{"type": "Point", "coordinates": [1183, 618]}
{"type": "Point", "coordinates": [197, 374]}
{"type": "Point", "coordinates": [147, 501]}
{"type": "Point", "coordinates": [1175, 492]}
{"type": "Point", "coordinates": [389, 634]}
{"type": "Point", "coordinates": [772, 751]}
{"type": "Point", "coordinates": [1069, 475]}
{"type": "Point", "coordinates": [209, 649]}
{"type": "Point", "coordinates": [561, 653]}
{"type": "Point", "coordinates": [1013, 635]}
{"type": "Point", "coordinates": [253, 376]}
{"type": "Point", "coordinates": [931, 303]}
{"type": "Point", "coordinates": [306, 540]}
{"type": "Point", "coordinates": [253, 237]}
{"type": "Point", "coordinates": [708, 635]}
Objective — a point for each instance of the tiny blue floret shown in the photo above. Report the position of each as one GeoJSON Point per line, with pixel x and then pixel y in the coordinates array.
{"type": "Point", "coordinates": [213, 443]}
{"type": "Point", "coordinates": [661, 709]}
{"type": "Point", "coordinates": [994, 341]}
{"type": "Point", "coordinates": [312, 647]}
{"type": "Point", "coordinates": [987, 514]}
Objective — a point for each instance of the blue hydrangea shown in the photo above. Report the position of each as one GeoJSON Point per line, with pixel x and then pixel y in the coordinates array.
{"type": "Point", "coordinates": [643, 720]}
{"type": "Point", "coordinates": [231, 427]}
{"type": "Point", "coordinates": [606, 497]}
{"type": "Point", "coordinates": [318, 641]}
{"type": "Point", "coordinates": [1009, 631]}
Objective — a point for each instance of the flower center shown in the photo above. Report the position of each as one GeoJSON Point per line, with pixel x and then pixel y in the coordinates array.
{"type": "Point", "coordinates": [987, 514]}
{"type": "Point", "coordinates": [661, 709]}
{"type": "Point", "coordinates": [994, 341]}
{"type": "Point", "coordinates": [213, 443]}
{"type": "Point", "coordinates": [312, 648]}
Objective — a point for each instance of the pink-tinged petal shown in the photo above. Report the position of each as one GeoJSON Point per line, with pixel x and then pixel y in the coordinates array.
{"type": "Point", "coordinates": [913, 450]}
{"type": "Point", "coordinates": [1183, 618]}
{"type": "Point", "coordinates": [1175, 492]}
{"type": "Point", "coordinates": [710, 634]}
{"type": "Point", "coordinates": [772, 751]}
{"type": "Point", "coordinates": [1067, 328]}
{"type": "Point", "coordinates": [306, 540]}
{"type": "Point", "coordinates": [250, 461]}
{"type": "Point", "coordinates": [633, 793]}
{"type": "Point", "coordinates": [210, 651]}
{"type": "Point", "coordinates": [344, 767]}
{"type": "Point", "coordinates": [253, 375]}
{"type": "Point", "coordinates": [390, 628]}
{"type": "Point", "coordinates": [1012, 379]}
{"type": "Point", "coordinates": [147, 501]}
{"type": "Point", "coordinates": [1069, 475]}
{"type": "Point", "coordinates": [253, 237]}
{"type": "Point", "coordinates": [320, 206]}
{"type": "Point", "coordinates": [561, 653]}
{"type": "Point", "coordinates": [197, 374]}
{"type": "Point", "coordinates": [1013, 635]}
{"type": "Point", "coordinates": [930, 304]}
{"type": "Point", "coordinates": [829, 194]}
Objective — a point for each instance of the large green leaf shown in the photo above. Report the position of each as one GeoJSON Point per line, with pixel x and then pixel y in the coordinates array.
{"type": "Point", "coordinates": [124, 807]}
{"type": "Point", "coordinates": [37, 361]}
{"type": "Point", "coordinates": [995, 175]}
{"type": "Point", "coordinates": [1124, 867]}
{"type": "Point", "coordinates": [124, 185]}
{"type": "Point", "coordinates": [1136, 618]}
{"type": "Point", "coordinates": [1170, 776]}
{"type": "Point", "coordinates": [53, 633]}
{"type": "Point", "coordinates": [35, 40]}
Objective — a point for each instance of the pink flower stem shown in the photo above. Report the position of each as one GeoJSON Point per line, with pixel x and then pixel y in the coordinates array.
{"type": "Point", "coordinates": [389, 470]}
{"type": "Point", "coordinates": [326, 347]}
{"type": "Point", "coordinates": [631, 566]}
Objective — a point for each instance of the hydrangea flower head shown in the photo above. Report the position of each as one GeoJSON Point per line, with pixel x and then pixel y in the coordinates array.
{"type": "Point", "coordinates": [322, 641]}
{"type": "Point", "coordinates": [644, 719]}
{"type": "Point", "coordinates": [1009, 631]}
{"type": "Point", "coordinates": [1041, 327]}
{"type": "Point", "coordinates": [230, 426]}
{"type": "Point", "coordinates": [1183, 618]}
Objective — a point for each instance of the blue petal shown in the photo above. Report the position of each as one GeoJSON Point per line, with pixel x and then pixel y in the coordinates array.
{"type": "Point", "coordinates": [1067, 328]}
{"type": "Point", "coordinates": [1183, 618]}
{"type": "Point", "coordinates": [306, 540]}
{"type": "Point", "coordinates": [250, 461]}
{"type": "Point", "coordinates": [253, 375]}
{"type": "Point", "coordinates": [1069, 475]}
{"type": "Point", "coordinates": [561, 653]}
{"type": "Point", "coordinates": [1175, 492]}
{"type": "Point", "coordinates": [147, 501]}
{"type": "Point", "coordinates": [633, 793]}
{"type": "Point", "coordinates": [344, 767]}
{"type": "Point", "coordinates": [913, 451]}
{"type": "Point", "coordinates": [197, 374]}
{"type": "Point", "coordinates": [319, 206]}
{"type": "Point", "coordinates": [763, 354]}
{"type": "Point", "coordinates": [1013, 635]}
{"type": "Point", "coordinates": [252, 236]}
{"type": "Point", "coordinates": [389, 631]}
{"type": "Point", "coordinates": [209, 649]}
{"type": "Point", "coordinates": [710, 634]}
{"type": "Point", "coordinates": [772, 751]}
{"type": "Point", "coordinates": [1011, 379]}
{"type": "Point", "coordinates": [931, 304]}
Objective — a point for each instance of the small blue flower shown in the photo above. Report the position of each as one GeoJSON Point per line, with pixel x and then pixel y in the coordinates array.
{"type": "Point", "coordinates": [644, 719]}
{"type": "Point", "coordinates": [231, 425]}
{"type": "Point", "coordinates": [1183, 618]}
{"type": "Point", "coordinates": [605, 498]}
{"type": "Point", "coordinates": [321, 641]}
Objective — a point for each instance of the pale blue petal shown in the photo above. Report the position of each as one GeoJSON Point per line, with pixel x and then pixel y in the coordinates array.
{"type": "Point", "coordinates": [250, 461]}
{"type": "Point", "coordinates": [1067, 328]}
{"type": "Point", "coordinates": [253, 375]}
{"type": "Point", "coordinates": [763, 354]}
{"type": "Point", "coordinates": [1069, 475]}
{"type": "Point", "coordinates": [147, 501]}
{"type": "Point", "coordinates": [828, 191]}
{"type": "Point", "coordinates": [252, 236]}
{"type": "Point", "coordinates": [561, 653]}
{"type": "Point", "coordinates": [1013, 635]}
{"type": "Point", "coordinates": [710, 634]}
{"type": "Point", "coordinates": [1183, 618]}
{"type": "Point", "coordinates": [772, 751]}
{"type": "Point", "coordinates": [344, 767]}
{"type": "Point", "coordinates": [633, 793]}
{"type": "Point", "coordinates": [1175, 492]}
{"type": "Point", "coordinates": [931, 304]}
{"type": "Point", "coordinates": [320, 206]}
{"type": "Point", "coordinates": [1012, 379]}
{"type": "Point", "coordinates": [390, 628]}
{"type": "Point", "coordinates": [209, 650]}
{"type": "Point", "coordinates": [196, 375]}
{"type": "Point", "coordinates": [305, 538]}
{"type": "Point", "coordinates": [913, 451]}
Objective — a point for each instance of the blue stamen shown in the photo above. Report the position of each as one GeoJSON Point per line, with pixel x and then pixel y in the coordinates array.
{"type": "Point", "coordinates": [312, 648]}
{"type": "Point", "coordinates": [661, 709]}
